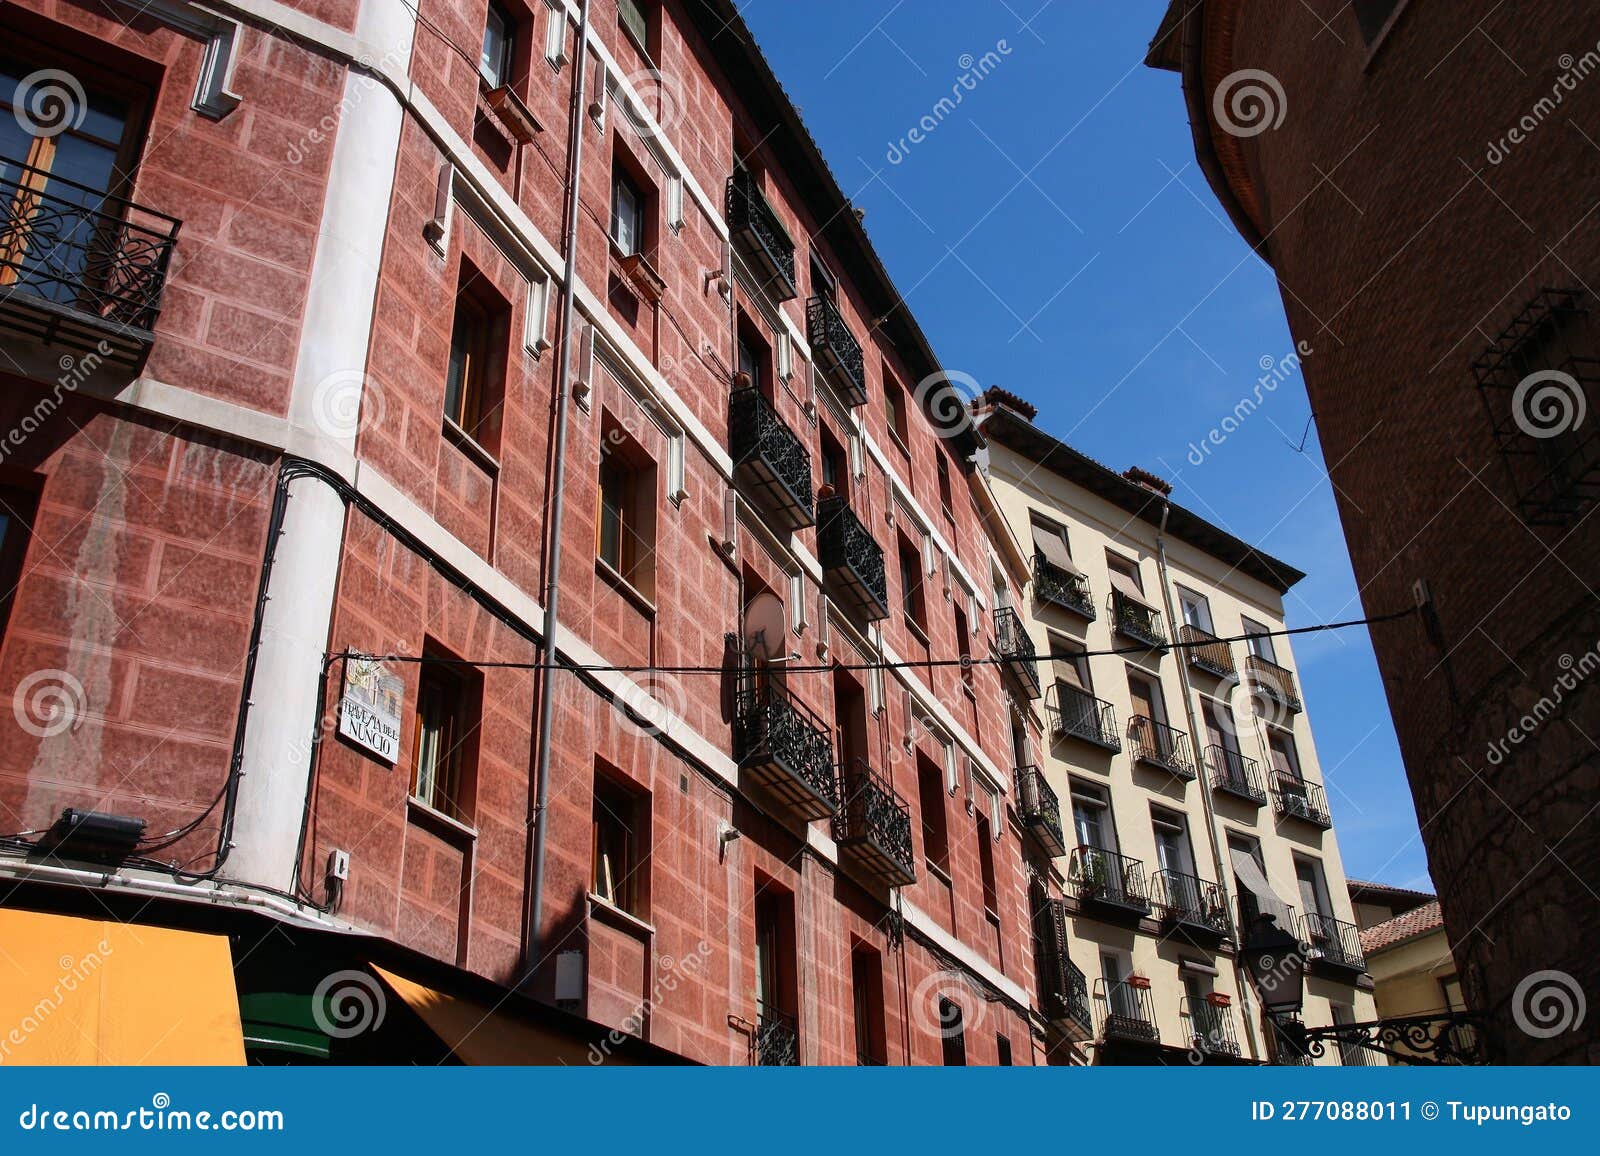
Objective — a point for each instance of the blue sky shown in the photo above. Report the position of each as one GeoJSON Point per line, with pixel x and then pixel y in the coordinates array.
{"type": "Point", "coordinates": [1053, 235]}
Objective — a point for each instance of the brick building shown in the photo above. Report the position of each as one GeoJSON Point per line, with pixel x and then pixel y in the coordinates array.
{"type": "Point", "coordinates": [1418, 176]}
{"type": "Point", "coordinates": [297, 317]}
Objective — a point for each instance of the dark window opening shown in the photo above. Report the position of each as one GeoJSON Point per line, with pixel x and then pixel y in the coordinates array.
{"type": "Point", "coordinates": [621, 845]}
{"type": "Point", "coordinates": [443, 742]}
{"type": "Point", "coordinates": [953, 1031]}
{"type": "Point", "coordinates": [866, 985]}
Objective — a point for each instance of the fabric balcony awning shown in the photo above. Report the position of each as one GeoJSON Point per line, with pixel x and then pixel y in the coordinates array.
{"type": "Point", "coordinates": [1123, 585]}
{"type": "Point", "coordinates": [1254, 880]}
{"type": "Point", "coordinates": [1049, 543]}
{"type": "Point", "coordinates": [86, 991]}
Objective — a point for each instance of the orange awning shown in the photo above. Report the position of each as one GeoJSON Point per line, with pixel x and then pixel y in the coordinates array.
{"type": "Point", "coordinates": [86, 991]}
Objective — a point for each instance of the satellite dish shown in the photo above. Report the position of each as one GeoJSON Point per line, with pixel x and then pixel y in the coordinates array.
{"type": "Point", "coordinates": [764, 627]}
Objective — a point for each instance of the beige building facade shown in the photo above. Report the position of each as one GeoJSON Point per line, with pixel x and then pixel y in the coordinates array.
{"type": "Point", "coordinates": [1186, 777]}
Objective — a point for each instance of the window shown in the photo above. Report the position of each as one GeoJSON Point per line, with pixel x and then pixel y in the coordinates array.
{"type": "Point", "coordinates": [631, 15]}
{"type": "Point", "coordinates": [1070, 663]}
{"type": "Point", "coordinates": [1120, 1000]}
{"type": "Point", "coordinates": [964, 647]}
{"type": "Point", "coordinates": [625, 522]}
{"type": "Point", "coordinates": [1220, 728]}
{"type": "Point", "coordinates": [494, 63]}
{"type": "Point", "coordinates": [1091, 817]}
{"type": "Point", "coordinates": [1351, 1054]}
{"type": "Point", "coordinates": [822, 280]}
{"type": "Point", "coordinates": [443, 729]}
{"type": "Point", "coordinates": [946, 501]}
{"type": "Point", "coordinates": [1260, 647]}
{"type": "Point", "coordinates": [1172, 848]}
{"type": "Point", "coordinates": [752, 356]}
{"type": "Point", "coordinates": [1313, 895]}
{"type": "Point", "coordinates": [776, 979]}
{"type": "Point", "coordinates": [913, 595]}
{"type": "Point", "coordinates": [866, 987]}
{"type": "Point", "coordinates": [1195, 609]}
{"type": "Point", "coordinates": [555, 34]}
{"type": "Point", "coordinates": [621, 846]}
{"type": "Point", "coordinates": [474, 383]}
{"type": "Point", "coordinates": [1002, 1051]}
{"type": "Point", "coordinates": [1125, 567]}
{"type": "Point", "coordinates": [1285, 759]}
{"type": "Point", "coordinates": [991, 892]}
{"type": "Point", "coordinates": [627, 212]}
{"type": "Point", "coordinates": [894, 397]}
{"type": "Point", "coordinates": [954, 1033]}
{"type": "Point", "coordinates": [930, 800]}
{"type": "Point", "coordinates": [16, 522]}
{"type": "Point", "coordinates": [835, 463]}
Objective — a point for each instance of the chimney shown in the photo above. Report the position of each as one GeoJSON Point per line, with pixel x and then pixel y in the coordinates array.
{"type": "Point", "coordinates": [1148, 480]}
{"type": "Point", "coordinates": [997, 396]}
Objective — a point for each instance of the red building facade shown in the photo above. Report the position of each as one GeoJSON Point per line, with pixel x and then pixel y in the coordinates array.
{"type": "Point", "coordinates": [298, 316]}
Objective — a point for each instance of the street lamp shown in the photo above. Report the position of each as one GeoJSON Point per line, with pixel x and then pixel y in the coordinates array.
{"type": "Point", "coordinates": [1272, 957]}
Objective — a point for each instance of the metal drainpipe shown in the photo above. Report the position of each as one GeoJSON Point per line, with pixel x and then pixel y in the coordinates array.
{"type": "Point", "coordinates": [1239, 982]}
{"type": "Point", "coordinates": [534, 892]}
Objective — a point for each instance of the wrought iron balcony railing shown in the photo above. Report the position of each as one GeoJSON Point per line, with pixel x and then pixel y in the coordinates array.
{"type": "Point", "coordinates": [78, 266]}
{"type": "Point", "coordinates": [1235, 774]}
{"type": "Point", "coordinates": [1061, 587]}
{"type": "Point", "coordinates": [1250, 908]}
{"type": "Point", "coordinates": [1208, 652]}
{"type": "Point", "coordinates": [1040, 810]}
{"type": "Point", "coordinates": [1078, 714]}
{"type": "Point", "coordinates": [777, 1041]}
{"type": "Point", "coordinates": [760, 237]}
{"type": "Point", "coordinates": [1273, 681]}
{"type": "Point", "coordinates": [836, 350]}
{"type": "Point", "coordinates": [769, 459]}
{"type": "Point", "coordinates": [873, 826]}
{"type": "Point", "coordinates": [1161, 746]}
{"type": "Point", "coordinates": [1126, 1011]}
{"type": "Point", "coordinates": [1211, 1028]}
{"type": "Point", "coordinates": [1334, 943]}
{"type": "Point", "coordinates": [786, 749]}
{"type": "Point", "coordinates": [1063, 988]}
{"type": "Point", "coordinates": [1136, 622]}
{"type": "Point", "coordinates": [1193, 908]}
{"type": "Point", "coordinates": [1016, 648]}
{"type": "Point", "coordinates": [852, 560]}
{"type": "Point", "coordinates": [1107, 880]}
{"type": "Point", "coordinates": [1298, 799]}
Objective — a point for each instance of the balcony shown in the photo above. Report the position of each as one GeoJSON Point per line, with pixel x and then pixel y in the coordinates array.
{"type": "Point", "coordinates": [1158, 745]}
{"type": "Point", "coordinates": [1063, 990]}
{"type": "Point", "coordinates": [1297, 799]}
{"type": "Point", "coordinates": [1207, 652]}
{"type": "Point", "coordinates": [1016, 648]}
{"type": "Point", "coordinates": [786, 750]}
{"type": "Point", "coordinates": [79, 269]}
{"type": "Point", "coordinates": [1126, 1011]}
{"type": "Point", "coordinates": [1193, 909]}
{"type": "Point", "coordinates": [761, 240]}
{"type": "Point", "coordinates": [873, 826]}
{"type": "Point", "coordinates": [1109, 886]}
{"type": "Point", "coordinates": [852, 560]}
{"type": "Point", "coordinates": [836, 350]}
{"type": "Point", "coordinates": [768, 459]}
{"type": "Point", "coordinates": [1211, 1028]}
{"type": "Point", "coordinates": [1136, 622]}
{"type": "Point", "coordinates": [777, 1041]}
{"type": "Point", "coordinates": [1335, 944]}
{"type": "Point", "coordinates": [1274, 682]}
{"type": "Point", "coordinates": [1235, 774]}
{"type": "Point", "coordinates": [1040, 810]}
{"type": "Point", "coordinates": [1251, 908]}
{"type": "Point", "coordinates": [1061, 587]}
{"type": "Point", "coordinates": [1078, 714]}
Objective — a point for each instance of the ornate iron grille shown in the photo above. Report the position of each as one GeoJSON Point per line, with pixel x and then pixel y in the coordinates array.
{"type": "Point", "coordinates": [1209, 653]}
{"type": "Point", "coordinates": [1139, 623]}
{"type": "Point", "coordinates": [873, 826]}
{"type": "Point", "coordinates": [1081, 715]}
{"type": "Point", "coordinates": [1299, 799]}
{"type": "Point", "coordinates": [1102, 876]}
{"type": "Point", "coordinates": [1540, 385]}
{"type": "Point", "coordinates": [837, 352]}
{"type": "Point", "coordinates": [1211, 1028]}
{"type": "Point", "coordinates": [777, 1041]}
{"type": "Point", "coordinates": [1012, 641]}
{"type": "Point", "coordinates": [1235, 774]}
{"type": "Point", "coordinates": [79, 266]}
{"type": "Point", "coordinates": [1161, 745]}
{"type": "Point", "coordinates": [1040, 810]}
{"type": "Point", "coordinates": [1273, 681]}
{"type": "Point", "coordinates": [759, 235]}
{"type": "Point", "coordinates": [1188, 899]}
{"type": "Point", "coordinates": [787, 749]}
{"type": "Point", "coordinates": [1063, 989]}
{"type": "Point", "coordinates": [852, 558]}
{"type": "Point", "coordinates": [1061, 587]}
{"type": "Point", "coordinates": [769, 458]}
{"type": "Point", "coordinates": [1333, 941]}
{"type": "Point", "coordinates": [1126, 1011]}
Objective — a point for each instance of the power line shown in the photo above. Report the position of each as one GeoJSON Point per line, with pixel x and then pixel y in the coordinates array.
{"type": "Point", "coordinates": [824, 668]}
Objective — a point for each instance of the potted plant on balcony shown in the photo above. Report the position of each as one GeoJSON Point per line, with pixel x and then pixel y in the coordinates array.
{"type": "Point", "coordinates": [1092, 875]}
{"type": "Point", "coordinates": [1219, 999]}
{"type": "Point", "coordinates": [1142, 982]}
